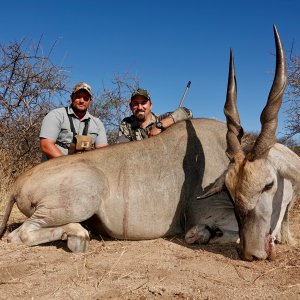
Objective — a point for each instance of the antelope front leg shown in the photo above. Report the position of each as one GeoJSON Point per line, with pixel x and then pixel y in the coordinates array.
{"type": "Point", "coordinates": [31, 233]}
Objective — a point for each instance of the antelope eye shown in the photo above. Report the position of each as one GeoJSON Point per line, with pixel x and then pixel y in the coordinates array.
{"type": "Point", "coordinates": [268, 186]}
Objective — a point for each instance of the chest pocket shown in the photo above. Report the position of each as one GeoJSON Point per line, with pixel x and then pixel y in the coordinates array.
{"type": "Point", "coordinates": [80, 143]}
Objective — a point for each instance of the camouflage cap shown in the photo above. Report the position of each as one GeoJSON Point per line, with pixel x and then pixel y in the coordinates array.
{"type": "Point", "coordinates": [82, 86]}
{"type": "Point", "coordinates": [141, 92]}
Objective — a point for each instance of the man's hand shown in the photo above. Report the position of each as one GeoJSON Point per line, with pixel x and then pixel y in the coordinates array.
{"type": "Point", "coordinates": [166, 122]}
{"type": "Point", "coordinates": [154, 131]}
{"type": "Point", "coordinates": [181, 113]}
{"type": "Point", "coordinates": [101, 146]}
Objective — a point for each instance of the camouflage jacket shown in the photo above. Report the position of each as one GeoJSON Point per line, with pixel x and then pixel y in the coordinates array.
{"type": "Point", "coordinates": [129, 129]}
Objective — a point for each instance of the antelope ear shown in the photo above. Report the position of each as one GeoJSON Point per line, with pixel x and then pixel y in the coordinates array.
{"type": "Point", "coordinates": [216, 187]}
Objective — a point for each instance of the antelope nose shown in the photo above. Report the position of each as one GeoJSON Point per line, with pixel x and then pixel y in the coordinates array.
{"type": "Point", "coordinates": [245, 256]}
{"type": "Point", "coordinates": [249, 256]}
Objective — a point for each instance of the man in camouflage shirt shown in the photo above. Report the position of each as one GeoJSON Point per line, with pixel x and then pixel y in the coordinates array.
{"type": "Point", "coordinates": [144, 123]}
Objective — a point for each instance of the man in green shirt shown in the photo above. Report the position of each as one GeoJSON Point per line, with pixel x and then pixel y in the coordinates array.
{"type": "Point", "coordinates": [143, 122]}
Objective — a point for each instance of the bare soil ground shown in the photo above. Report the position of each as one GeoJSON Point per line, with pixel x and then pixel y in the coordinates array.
{"type": "Point", "coordinates": [155, 269]}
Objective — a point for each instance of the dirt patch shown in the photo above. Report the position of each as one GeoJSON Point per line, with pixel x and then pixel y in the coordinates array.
{"type": "Point", "coordinates": [155, 269]}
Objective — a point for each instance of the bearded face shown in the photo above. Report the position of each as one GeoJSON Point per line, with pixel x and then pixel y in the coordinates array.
{"type": "Point", "coordinates": [141, 108]}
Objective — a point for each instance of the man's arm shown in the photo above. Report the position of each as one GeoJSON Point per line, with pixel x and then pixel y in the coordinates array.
{"type": "Point", "coordinates": [50, 130]}
{"type": "Point", "coordinates": [49, 148]}
{"type": "Point", "coordinates": [178, 115]}
{"type": "Point", "coordinates": [101, 139]}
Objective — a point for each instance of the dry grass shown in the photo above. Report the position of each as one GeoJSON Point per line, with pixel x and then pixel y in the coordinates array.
{"type": "Point", "coordinates": [7, 178]}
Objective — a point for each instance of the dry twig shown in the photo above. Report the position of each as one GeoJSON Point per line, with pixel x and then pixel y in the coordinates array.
{"type": "Point", "coordinates": [272, 270]}
{"type": "Point", "coordinates": [111, 269]}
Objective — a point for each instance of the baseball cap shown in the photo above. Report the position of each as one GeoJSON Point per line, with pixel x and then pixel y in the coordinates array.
{"type": "Point", "coordinates": [82, 86]}
{"type": "Point", "coordinates": [141, 92]}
